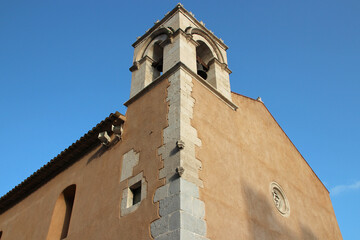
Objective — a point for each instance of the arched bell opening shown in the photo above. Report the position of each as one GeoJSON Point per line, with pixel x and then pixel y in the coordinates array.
{"type": "Point", "coordinates": [158, 57]}
{"type": "Point", "coordinates": [203, 56]}
{"type": "Point", "coordinates": [149, 66]}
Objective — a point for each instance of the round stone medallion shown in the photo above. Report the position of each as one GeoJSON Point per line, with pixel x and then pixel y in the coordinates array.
{"type": "Point", "coordinates": [279, 198]}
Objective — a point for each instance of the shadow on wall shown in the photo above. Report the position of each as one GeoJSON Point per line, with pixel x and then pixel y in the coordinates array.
{"type": "Point", "coordinates": [102, 150]}
{"type": "Point", "coordinates": [264, 223]}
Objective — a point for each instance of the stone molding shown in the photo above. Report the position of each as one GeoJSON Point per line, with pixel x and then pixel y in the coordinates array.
{"type": "Point", "coordinates": [168, 73]}
{"type": "Point", "coordinates": [181, 9]}
{"type": "Point", "coordinates": [190, 31]}
{"type": "Point", "coordinates": [188, 36]}
{"type": "Point", "coordinates": [134, 67]}
{"type": "Point", "coordinates": [280, 200]}
{"type": "Point", "coordinates": [223, 65]}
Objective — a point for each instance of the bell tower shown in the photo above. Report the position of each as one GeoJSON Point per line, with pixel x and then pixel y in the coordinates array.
{"type": "Point", "coordinates": [180, 39]}
{"type": "Point", "coordinates": [180, 50]}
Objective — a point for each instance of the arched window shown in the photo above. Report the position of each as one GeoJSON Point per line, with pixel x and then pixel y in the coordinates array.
{"type": "Point", "coordinates": [60, 220]}
{"type": "Point", "coordinates": [203, 57]}
{"type": "Point", "coordinates": [158, 59]}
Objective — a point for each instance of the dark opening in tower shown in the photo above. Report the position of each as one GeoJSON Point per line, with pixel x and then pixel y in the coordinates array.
{"type": "Point", "coordinates": [203, 56]}
{"type": "Point", "coordinates": [158, 53]}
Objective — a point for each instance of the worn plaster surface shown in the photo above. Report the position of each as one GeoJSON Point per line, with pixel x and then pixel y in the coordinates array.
{"type": "Point", "coordinates": [249, 152]}
{"type": "Point", "coordinates": [96, 211]}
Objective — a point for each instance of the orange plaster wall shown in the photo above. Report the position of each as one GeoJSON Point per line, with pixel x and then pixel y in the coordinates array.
{"type": "Point", "coordinates": [242, 152]}
{"type": "Point", "coordinates": [96, 210]}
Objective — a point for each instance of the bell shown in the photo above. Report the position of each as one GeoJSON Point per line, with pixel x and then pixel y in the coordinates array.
{"type": "Point", "coordinates": [201, 70]}
{"type": "Point", "coordinates": [159, 66]}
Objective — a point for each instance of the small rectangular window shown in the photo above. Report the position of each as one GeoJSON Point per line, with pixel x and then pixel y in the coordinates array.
{"type": "Point", "coordinates": [136, 193]}
{"type": "Point", "coordinates": [133, 195]}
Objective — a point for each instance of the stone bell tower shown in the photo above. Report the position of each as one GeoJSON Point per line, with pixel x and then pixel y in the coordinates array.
{"type": "Point", "coordinates": [180, 39]}
{"type": "Point", "coordinates": [179, 48]}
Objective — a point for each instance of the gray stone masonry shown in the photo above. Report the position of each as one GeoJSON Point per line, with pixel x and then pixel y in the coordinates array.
{"type": "Point", "coordinates": [129, 161]}
{"type": "Point", "coordinates": [180, 209]}
{"type": "Point", "coordinates": [182, 212]}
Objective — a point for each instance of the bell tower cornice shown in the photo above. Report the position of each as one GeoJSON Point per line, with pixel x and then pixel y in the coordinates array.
{"type": "Point", "coordinates": [179, 8]}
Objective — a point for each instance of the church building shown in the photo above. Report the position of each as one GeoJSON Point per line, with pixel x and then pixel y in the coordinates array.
{"type": "Point", "coordinates": [189, 160]}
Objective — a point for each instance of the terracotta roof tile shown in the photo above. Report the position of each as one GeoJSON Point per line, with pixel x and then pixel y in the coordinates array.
{"type": "Point", "coordinates": [59, 163]}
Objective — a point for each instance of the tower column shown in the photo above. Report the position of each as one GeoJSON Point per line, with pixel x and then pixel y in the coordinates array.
{"type": "Point", "coordinates": [143, 75]}
{"type": "Point", "coordinates": [218, 76]}
{"type": "Point", "coordinates": [183, 49]}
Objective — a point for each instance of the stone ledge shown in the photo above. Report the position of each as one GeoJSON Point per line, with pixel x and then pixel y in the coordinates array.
{"type": "Point", "coordinates": [181, 9]}
{"type": "Point", "coordinates": [168, 73]}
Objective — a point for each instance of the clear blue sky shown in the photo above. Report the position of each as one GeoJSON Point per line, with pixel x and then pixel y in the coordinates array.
{"type": "Point", "coordinates": [64, 68]}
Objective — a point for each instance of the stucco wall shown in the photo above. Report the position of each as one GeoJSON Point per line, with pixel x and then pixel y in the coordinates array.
{"type": "Point", "coordinates": [242, 152]}
{"type": "Point", "coordinates": [96, 210]}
